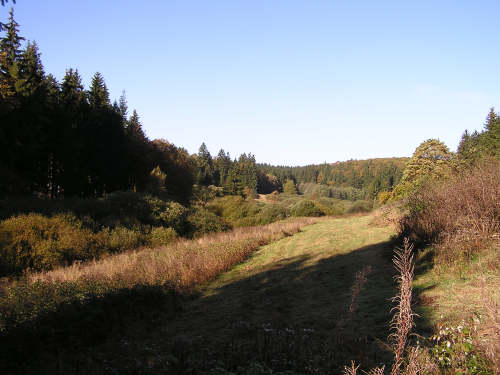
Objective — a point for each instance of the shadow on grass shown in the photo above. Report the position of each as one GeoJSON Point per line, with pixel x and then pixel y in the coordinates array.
{"type": "Point", "coordinates": [294, 316]}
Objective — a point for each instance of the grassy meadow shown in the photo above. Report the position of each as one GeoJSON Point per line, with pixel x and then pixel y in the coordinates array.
{"type": "Point", "coordinates": [308, 302]}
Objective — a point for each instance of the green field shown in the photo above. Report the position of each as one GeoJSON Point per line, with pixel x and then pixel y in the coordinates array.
{"type": "Point", "coordinates": [285, 308]}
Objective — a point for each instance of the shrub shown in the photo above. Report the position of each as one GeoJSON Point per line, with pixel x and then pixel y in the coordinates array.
{"type": "Point", "coordinates": [458, 214]}
{"type": "Point", "coordinates": [306, 208]}
{"type": "Point", "coordinates": [121, 239]}
{"type": "Point", "coordinates": [289, 187]}
{"type": "Point", "coordinates": [39, 242]}
{"type": "Point", "coordinates": [160, 236]}
{"type": "Point", "coordinates": [360, 206]}
{"type": "Point", "coordinates": [203, 221]}
{"type": "Point", "coordinates": [271, 213]}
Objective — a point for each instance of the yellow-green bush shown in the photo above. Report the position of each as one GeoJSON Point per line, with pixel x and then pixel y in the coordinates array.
{"type": "Point", "coordinates": [121, 239]}
{"type": "Point", "coordinates": [160, 236]}
{"type": "Point", "coordinates": [306, 208]}
{"type": "Point", "coordinates": [39, 242]}
{"type": "Point", "coordinates": [203, 221]}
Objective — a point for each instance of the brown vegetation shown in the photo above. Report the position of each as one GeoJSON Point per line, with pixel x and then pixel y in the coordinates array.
{"type": "Point", "coordinates": [461, 214]}
{"type": "Point", "coordinates": [182, 264]}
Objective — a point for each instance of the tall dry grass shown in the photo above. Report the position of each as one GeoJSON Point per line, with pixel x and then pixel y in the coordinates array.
{"type": "Point", "coordinates": [402, 320]}
{"type": "Point", "coordinates": [180, 265]}
{"type": "Point", "coordinates": [81, 305]}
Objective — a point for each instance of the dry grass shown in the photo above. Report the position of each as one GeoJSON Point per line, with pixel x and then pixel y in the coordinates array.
{"type": "Point", "coordinates": [180, 265]}
{"type": "Point", "coordinates": [388, 215]}
{"type": "Point", "coordinates": [402, 321]}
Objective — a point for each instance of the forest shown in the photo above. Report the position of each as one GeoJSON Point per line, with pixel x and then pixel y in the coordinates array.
{"type": "Point", "coordinates": [106, 234]}
{"type": "Point", "coordinates": [70, 150]}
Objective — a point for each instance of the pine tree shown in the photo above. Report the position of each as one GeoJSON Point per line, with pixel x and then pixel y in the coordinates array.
{"type": "Point", "coordinates": [134, 128]}
{"type": "Point", "coordinates": [72, 90]}
{"type": "Point", "coordinates": [10, 55]}
{"type": "Point", "coordinates": [11, 42]}
{"type": "Point", "coordinates": [98, 93]}
{"type": "Point", "coordinates": [31, 72]}
{"type": "Point", "coordinates": [205, 166]}
{"type": "Point", "coordinates": [222, 166]}
{"type": "Point", "coordinates": [123, 107]}
{"type": "Point", "coordinates": [491, 119]}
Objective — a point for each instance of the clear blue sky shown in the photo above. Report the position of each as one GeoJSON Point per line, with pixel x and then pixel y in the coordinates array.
{"type": "Point", "coordinates": [294, 82]}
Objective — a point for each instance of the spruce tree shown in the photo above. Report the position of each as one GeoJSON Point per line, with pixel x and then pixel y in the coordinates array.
{"type": "Point", "coordinates": [222, 166]}
{"type": "Point", "coordinates": [205, 166]}
{"type": "Point", "coordinates": [123, 107]}
{"type": "Point", "coordinates": [491, 119]}
{"type": "Point", "coordinates": [31, 72]}
{"type": "Point", "coordinates": [10, 55]}
{"type": "Point", "coordinates": [134, 128]}
{"type": "Point", "coordinates": [98, 93]}
{"type": "Point", "coordinates": [72, 90]}
{"type": "Point", "coordinates": [11, 42]}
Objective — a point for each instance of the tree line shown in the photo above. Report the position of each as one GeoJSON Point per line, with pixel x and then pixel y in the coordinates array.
{"type": "Point", "coordinates": [60, 139]}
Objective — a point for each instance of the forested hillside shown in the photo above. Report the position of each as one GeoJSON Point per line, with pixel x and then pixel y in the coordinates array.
{"type": "Point", "coordinates": [368, 176]}
{"type": "Point", "coordinates": [125, 254]}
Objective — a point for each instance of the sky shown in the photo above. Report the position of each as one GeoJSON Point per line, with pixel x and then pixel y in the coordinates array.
{"type": "Point", "coordinates": [293, 82]}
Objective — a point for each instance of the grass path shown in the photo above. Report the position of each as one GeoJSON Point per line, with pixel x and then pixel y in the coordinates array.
{"type": "Point", "coordinates": [301, 280]}
{"type": "Point", "coordinates": [281, 307]}
{"type": "Point", "coordinates": [300, 283]}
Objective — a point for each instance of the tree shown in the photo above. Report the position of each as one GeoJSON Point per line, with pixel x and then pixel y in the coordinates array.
{"type": "Point", "coordinates": [98, 93]}
{"type": "Point", "coordinates": [431, 160]}
{"type": "Point", "coordinates": [123, 107]}
{"type": "Point", "coordinates": [491, 119]}
{"type": "Point", "coordinates": [138, 153]}
{"type": "Point", "coordinates": [205, 166]}
{"type": "Point", "coordinates": [222, 167]}
{"type": "Point", "coordinates": [10, 56]}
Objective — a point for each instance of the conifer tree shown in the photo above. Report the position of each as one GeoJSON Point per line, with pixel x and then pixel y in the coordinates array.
{"type": "Point", "coordinates": [123, 107]}
{"type": "Point", "coordinates": [11, 42]}
{"type": "Point", "coordinates": [10, 55]}
{"type": "Point", "coordinates": [134, 128]}
{"type": "Point", "coordinates": [31, 72]}
{"type": "Point", "coordinates": [72, 90]}
{"type": "Point", "coordinates": [205, 166]}
{"type": "Point", "coordinates": [98, 93]}
{"type": "Point", "coordinates": [491, 119]}
{"type": "Point", "coordinates": [222, 166]}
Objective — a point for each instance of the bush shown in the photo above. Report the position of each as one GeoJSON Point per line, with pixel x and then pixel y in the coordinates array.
{"type": "Point", "coordinates": [360, 206]}
{"type": "Point", "coordinates": [39, 242]}
{"type": "Point", "coordinates": [160, 236]}
{"type": "Point", "coordinates": [271, 213]}
{"type": "Point", "coordinates": [121, 239]}
{"type": "Point", "coordinates": [306, 208]}
{"type": "Point", "coordinates": [203, 221]}
{"type": "Point", "coordinates": [458, 214]}
{"type": "Point", "coordinates": [289, 187]}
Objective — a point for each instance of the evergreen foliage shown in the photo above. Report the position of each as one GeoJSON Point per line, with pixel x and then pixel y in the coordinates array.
{"type": "Point", "coordinates": [479, 145]}
{"type": "Point", "coordinates": [368, 176]}
{"type": "Point", "coordinates": [59, 140]}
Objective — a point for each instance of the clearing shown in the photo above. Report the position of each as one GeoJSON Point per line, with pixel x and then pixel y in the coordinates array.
{"type": "Point", "coordinates": [289, 306]}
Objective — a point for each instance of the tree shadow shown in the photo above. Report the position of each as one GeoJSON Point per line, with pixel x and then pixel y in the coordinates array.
{"type": "Point", "coordinates": [293, 316]}
{"type": "Point", "coordinates": [296, 315]}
